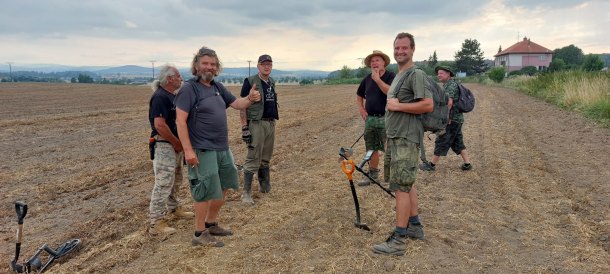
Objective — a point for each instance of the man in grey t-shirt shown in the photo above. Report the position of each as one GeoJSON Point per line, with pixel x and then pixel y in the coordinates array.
{"type": "Point", "coordinates": [201, 119]}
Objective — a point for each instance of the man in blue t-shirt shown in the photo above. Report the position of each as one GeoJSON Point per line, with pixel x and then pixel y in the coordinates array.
{"type": "Point", "coordinates": [201, 119]}
{"type": "Point", "coordinates": [371, 100]}
{"type": "Point", "coordinates": [167, 157]}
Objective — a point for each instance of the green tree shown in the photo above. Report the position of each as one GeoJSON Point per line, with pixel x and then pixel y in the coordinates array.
{"type": "Point", "coordinates": [433, 60]}
{"type": "Point", "coordinates": [345, 72]}
{"type": "Point", "coordinates": [571, 55]}
{"type": "Point", "coordinates": [362, 72]}
{"type": "Point", "coordinates": [557, 65]}
{"type": "Point", "coordinates": [592, 62]}
{"type": "Point", "coordinates": [497, 74]}
{"type": "Point", "coordinates": [73, 80]}
{"type": "Point", "coordinates": [529, 70]}
{"type": "Point", "coordinates": [470, 58]}
{"type": "Point", "coordinates": [84, 78]}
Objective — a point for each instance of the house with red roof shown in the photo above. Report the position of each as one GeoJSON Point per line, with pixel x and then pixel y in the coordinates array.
{"type": "Point", "coordinates": [523, 54]}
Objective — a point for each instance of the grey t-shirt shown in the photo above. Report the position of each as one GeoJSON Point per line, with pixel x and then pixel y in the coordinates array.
{"type": "Point", "coordinates": [207, 123]}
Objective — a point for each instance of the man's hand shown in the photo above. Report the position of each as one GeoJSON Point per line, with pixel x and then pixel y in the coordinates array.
{"type": "Point", "coordinates": [375, 74]}
{"type": "Point", "coordinates": [245, 135]}
{"type": "Point", "coordinates": [191, 158]}
{"type": "Point", "coordinates": [393, 104]}
{"type": "Point", "coordinates": [363, 113]}
{"type": "Point", "coordinates": [254, 95]}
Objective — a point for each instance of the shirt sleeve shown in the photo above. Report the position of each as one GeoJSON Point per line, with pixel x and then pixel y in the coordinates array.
{"type": "Point", "coordinates": [361, 89]}
{"type": "Point", "coordinates": [158, 107]}
{"type": "Point", "coordinates": [421, 87]}
{"type": "Point", "coordinates": [185, 99]}
{"type": "Point", "coordinates": [452, 90]}
{"type": "Point", "coordinates": [245, 88]}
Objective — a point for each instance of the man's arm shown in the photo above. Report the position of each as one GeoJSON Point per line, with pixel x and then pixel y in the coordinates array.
{"type": "Point", "coordinates": [380, 83]}
{"type": "Point", "coordinates": [361, 109]}
{"type": "Point", "coordinates": [183, 134]}
{"type": "Point", "coordinates": [166, 133]}
{"type": "Point", "coordinates": [424, 105]}
{"type": "Point", "coordinates": [245, 102]}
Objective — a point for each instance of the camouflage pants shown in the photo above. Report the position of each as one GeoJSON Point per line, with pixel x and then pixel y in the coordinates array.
{"type": "Point", "coordinates": [400, 164]}
{"type": "Point", "coordinates": [168, 174]}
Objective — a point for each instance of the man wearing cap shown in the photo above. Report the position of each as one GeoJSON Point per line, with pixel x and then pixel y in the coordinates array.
{"type": "Point", "coordinates": [258, 128]}
{"type": "Point", "coordinates": [371, 100]}
{"type": "Point", "coordinates": [453, 137]}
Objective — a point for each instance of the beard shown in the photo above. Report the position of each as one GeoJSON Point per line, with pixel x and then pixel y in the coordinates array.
{"type": "Point", "coordinates": [206, 76]}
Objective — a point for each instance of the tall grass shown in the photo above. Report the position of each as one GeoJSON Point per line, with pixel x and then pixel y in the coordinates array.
{"type": "Point", "coordinates": [586, 92]}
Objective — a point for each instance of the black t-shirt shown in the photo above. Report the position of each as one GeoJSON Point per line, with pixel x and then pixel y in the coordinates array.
{"type": "Point", "coordinates": [375, 98]}
{"type": "Point", "coordinates": [268, 94]}
{"type": "Point", "coordinates": [162, 105]}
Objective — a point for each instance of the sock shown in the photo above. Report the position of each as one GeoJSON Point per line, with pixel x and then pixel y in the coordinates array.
{"type": "Point", "coordinates": [207, 225]}
{"type": "Point", "coordinates": [402, 231]}
{"type": "Point", "coordinates": [198, 233]}
{"type": "Point", "coordinates": [414, 220]}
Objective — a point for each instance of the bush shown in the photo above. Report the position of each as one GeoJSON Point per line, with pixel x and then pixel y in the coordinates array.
{"type": "Point", "coordinates": [497, 74]}
{"type": "Point", "coordinates": [304, 82]}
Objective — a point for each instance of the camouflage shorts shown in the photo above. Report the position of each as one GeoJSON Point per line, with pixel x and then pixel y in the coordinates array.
{"type": "Point", "coordinates": [400, 164]}
{"type": "Point", "coordinates": [374, 133]}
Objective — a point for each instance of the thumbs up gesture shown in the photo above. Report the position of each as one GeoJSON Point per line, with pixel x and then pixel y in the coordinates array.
{"type": "Point", "coordinates": [254, 95]}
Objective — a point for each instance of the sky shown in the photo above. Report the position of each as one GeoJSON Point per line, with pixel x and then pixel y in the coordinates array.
{"type": "Point", "coordinates": [303, 34]}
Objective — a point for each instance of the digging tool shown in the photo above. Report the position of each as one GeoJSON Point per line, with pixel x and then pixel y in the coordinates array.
{"type": "Point", "coordinates": [348, 168]}
{"type": "Point", "coordinates": [35, 264]}
{"type": "Point", "coordinates": [344, 153]}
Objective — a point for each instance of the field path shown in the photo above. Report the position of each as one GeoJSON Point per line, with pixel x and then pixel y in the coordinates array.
{"type": "Point", "coordinates": [537, 200]}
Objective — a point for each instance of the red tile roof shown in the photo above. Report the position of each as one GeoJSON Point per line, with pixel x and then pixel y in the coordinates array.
{"type": "Point", "coordinates": [525, 46]}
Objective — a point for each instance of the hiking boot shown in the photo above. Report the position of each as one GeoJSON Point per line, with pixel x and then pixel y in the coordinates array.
{"type": "Point", "coordinates": [216, 230]}
{"type": "Point", "coordinates": [246, 196]}
{"type": "Point", "coordinates": [264, 180]}
{"type": "Point", "coordinates": [394, 245]}
{"type": "Point", "coordinates": [427, 166]}
{"type": "Point", "coordinates": [160, 227]}
{"type": "Point", "coordinates": [466, 166]}
{"type": "Point", "coordinates": [180, 212]}
{"type": "Point", "coordinates": [415, 231]}
{"type": "Point", "coordinates": [205, 239]}
{"type": "Point", "coordinates": [374, 173]}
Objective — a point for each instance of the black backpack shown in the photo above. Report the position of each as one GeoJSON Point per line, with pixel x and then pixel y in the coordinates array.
{"type": "Point", "coordinates": [465, 101]}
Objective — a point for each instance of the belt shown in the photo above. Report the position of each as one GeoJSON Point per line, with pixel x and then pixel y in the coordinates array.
{"type": "Point", "coordinates": [160, 139]}
{"type": "Point", "coordinates": [266, 119]}
{"type": "Point", "coordinates": [377, 115]}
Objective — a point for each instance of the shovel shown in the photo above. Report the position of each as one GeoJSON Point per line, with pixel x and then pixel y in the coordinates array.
{"type": "Point", "coordinates": [348, 168]}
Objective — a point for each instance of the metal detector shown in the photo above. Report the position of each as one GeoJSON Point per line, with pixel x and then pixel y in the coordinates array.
{"type": "Point", "coordinates": [35, 263]}
{"type": "Point", "coordinates": [346, 153]}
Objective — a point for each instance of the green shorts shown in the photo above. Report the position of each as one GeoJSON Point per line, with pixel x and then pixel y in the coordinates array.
{"type": "Point", "coordinates": [215, 173]}
{"type": "Point", "coordinates": [400, 164]}
{"type": "Point", "coordinates": [374, 133]}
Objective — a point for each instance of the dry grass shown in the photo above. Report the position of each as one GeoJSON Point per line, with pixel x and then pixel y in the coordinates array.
{"type": "Point", "coordinates": [80, 161]}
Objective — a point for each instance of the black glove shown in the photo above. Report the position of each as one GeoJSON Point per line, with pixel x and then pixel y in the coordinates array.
{"type": "Point", "coordinates": [245, 135]}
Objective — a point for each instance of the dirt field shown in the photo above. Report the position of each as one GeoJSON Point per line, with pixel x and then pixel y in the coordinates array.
{"type": "Point", "coordinates": [537, 201]}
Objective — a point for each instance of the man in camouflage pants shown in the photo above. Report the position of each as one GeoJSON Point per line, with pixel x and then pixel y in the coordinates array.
{"type": "Point", "coordinates": [167, 163]}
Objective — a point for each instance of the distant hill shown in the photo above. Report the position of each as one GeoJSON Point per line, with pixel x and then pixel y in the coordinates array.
{"type": "Point", "coordinates": [139, 71]}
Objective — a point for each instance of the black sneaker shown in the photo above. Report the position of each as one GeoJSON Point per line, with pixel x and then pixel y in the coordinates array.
{"type": "Point", "coordinates": [427, 166]}
{"type": "Point", "coordinates": [466, 166]}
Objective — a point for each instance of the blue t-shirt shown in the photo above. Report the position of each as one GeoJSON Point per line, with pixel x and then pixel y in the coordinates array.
{"type": "Point", "coordinates": [162, 105]}
{"type": "Point", "coordinates": [207, 121]}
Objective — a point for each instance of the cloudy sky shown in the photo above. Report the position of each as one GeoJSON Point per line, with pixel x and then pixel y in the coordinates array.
{"type": "Point", "coordinates": [304, 34]}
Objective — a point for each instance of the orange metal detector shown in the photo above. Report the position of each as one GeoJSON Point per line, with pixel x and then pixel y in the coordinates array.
{"type": "Point", "coordinates": [348, 168]}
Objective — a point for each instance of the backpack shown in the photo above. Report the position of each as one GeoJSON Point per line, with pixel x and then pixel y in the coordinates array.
{"type": "Point", "coordinates": [465, 101]}
{"type": "Point", "coordinates": [437, 120]}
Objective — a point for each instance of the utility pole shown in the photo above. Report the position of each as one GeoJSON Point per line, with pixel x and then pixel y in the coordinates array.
{"type": "Point", "coordinates": [153, 68]}
{"type": "Point", "coordinates": [10, 70]}
{"type": "Point", "coordinates": [249, 67]}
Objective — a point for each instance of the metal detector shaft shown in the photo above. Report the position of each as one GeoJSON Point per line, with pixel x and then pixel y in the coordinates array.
{"type": "Point", "coordinates": [359, 168]}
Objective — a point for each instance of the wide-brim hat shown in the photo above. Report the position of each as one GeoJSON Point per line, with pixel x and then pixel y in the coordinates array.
{"type": "Point", "coordinates": [386, 58]}
{"type": "Point", "coordinates": [445, 68]}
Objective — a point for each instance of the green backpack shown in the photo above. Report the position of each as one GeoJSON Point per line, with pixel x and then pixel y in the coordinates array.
{"type": "Point", "coordinates": [437, 120]}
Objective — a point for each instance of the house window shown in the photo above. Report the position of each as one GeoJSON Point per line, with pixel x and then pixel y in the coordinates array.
{"type": "Point", "coordinates": [542, 57]}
